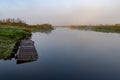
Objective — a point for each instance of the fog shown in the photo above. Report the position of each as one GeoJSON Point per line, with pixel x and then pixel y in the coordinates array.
{"type": "Point", "coordinates": [62, 12]}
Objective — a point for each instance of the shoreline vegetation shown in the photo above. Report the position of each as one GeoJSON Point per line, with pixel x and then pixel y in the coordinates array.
{"type": "Point", "coordinates": [22, 24]}
{"type": "Point", "coordinates": [12, 30]}
{"type": "Point", "coordinates": [99, 28]}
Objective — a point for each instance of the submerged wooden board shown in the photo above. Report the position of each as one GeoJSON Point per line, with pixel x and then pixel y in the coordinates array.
{"type": "Point", "coordinates": [27, 51]}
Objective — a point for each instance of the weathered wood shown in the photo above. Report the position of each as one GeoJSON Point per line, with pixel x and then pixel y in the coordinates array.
{"type": "Point", "coordinates": [27, 51]}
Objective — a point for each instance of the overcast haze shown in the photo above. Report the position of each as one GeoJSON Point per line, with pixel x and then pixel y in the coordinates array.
{"type": "Point", "coordinates": [62, 12]}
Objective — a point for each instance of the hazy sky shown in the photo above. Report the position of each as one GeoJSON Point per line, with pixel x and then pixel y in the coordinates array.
{"type": "Point", "coordinates": [62, 12]}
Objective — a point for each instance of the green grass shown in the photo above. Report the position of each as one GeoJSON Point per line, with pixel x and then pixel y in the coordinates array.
{"type": "Point", "coordinates": [9, 35]}
{"type": "Point", "coordinates": [11, 30]}
{"type": "Point", "coordinates": [99, 28]}
{"type": "Point", "coordinates": [113, 29]}
{"type": "Point", "coordinates": [8, 38]}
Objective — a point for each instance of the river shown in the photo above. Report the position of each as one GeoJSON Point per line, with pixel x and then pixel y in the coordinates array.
{"type": "Point", "coordinates": [69, 54]}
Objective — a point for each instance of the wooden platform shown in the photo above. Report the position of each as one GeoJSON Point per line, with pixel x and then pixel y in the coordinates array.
{"type": "Point", "coordinates": [27, 51]}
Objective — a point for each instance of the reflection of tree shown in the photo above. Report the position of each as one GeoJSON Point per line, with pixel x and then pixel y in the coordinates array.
{"type": "Point", "coordinates": [44, 28]}
{"type": "Point", "coordinates": [47, 31]}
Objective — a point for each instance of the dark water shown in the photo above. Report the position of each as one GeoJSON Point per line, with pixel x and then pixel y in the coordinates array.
{"type": "Point", "coordinates": [67, 54]}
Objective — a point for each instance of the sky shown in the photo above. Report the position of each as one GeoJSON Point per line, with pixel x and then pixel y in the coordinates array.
{"type": "Point", "coordinates": [62, 12]}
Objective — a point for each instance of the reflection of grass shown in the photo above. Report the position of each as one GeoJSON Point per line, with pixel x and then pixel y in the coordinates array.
{"type": "Point", "coordinates": [8, 37]}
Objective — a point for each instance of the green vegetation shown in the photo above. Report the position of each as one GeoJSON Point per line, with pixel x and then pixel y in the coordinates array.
{"type": "Point", "coordinates": [22, 24]}
{"type": "Point", "coordinates": [113, 29]}
{"type": "Point", "coordinates": [13, 22]}
{"type": "Point", "coordinates": [11, 30]}
{"type": "Point", "coordinates": [8, 38]}
{"type": "Point", "coordinates": [100, 28]}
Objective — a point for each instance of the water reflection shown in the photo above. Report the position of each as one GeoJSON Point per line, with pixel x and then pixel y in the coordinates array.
{"type": "Point", "coordinates": [14, 53]}
{"type": "Point", "coordinates": [13, 56]}
{"type": "Point", "coordinates": [25, 61]}
{"type": "Point", "coordinates": [47, 31]}
{"type": "Point", "coordinates": [24, 51]}
{"type": "Point", "coordinates": [67, 54]}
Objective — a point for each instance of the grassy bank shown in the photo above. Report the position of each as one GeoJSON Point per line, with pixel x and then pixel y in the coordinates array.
{"type": "Point", "coordinates": [8, 38]}
{"type": "Point", "coordinates": [99, 28]}
{"type": "Point", "coordinates": [22, 24]}
{"type": "Point", "coordinates": [11, 30]}
{"type": "Point", "coordinates": [113, 29]}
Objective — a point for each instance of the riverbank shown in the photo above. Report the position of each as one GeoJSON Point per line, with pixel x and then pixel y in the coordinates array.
{"type": "Point", "coordinates": [99, 28]}
{"type": "Point", "coordinates": [112, 29]}
{"type": "Point", "coordinates": [22, 24]}
{"type": "Point", "coordinates": [12, 30]}
{"type": "Point", "coordinates": [8, 37]}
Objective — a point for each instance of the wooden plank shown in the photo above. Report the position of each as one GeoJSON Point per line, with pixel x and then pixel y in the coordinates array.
{"type": "Point", "coordinates": [27, 51]}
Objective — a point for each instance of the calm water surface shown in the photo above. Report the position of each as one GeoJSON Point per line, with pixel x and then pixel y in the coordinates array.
{"type": "Point", "coordinates": [66, 54]}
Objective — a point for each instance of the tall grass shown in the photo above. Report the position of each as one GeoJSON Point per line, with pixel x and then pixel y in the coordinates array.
{"type": "Point", "coordinates": [8, 38]}
{"type": "Point", "coordinates": [100, 28]}
{"type": "Point", "coordinates": [114, 29]}
{"type": "Point", "coordinates": [12, 30]}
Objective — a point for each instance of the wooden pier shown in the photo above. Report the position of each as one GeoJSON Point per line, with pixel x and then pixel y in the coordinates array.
{"type": "Point", "coordinates": [27, 52]}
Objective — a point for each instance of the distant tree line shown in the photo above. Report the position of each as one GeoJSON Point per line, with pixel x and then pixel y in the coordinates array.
{"type": "Point", "coordinates": [20, 23]}
{"type": "Point", "coordinates": [13, 22]}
